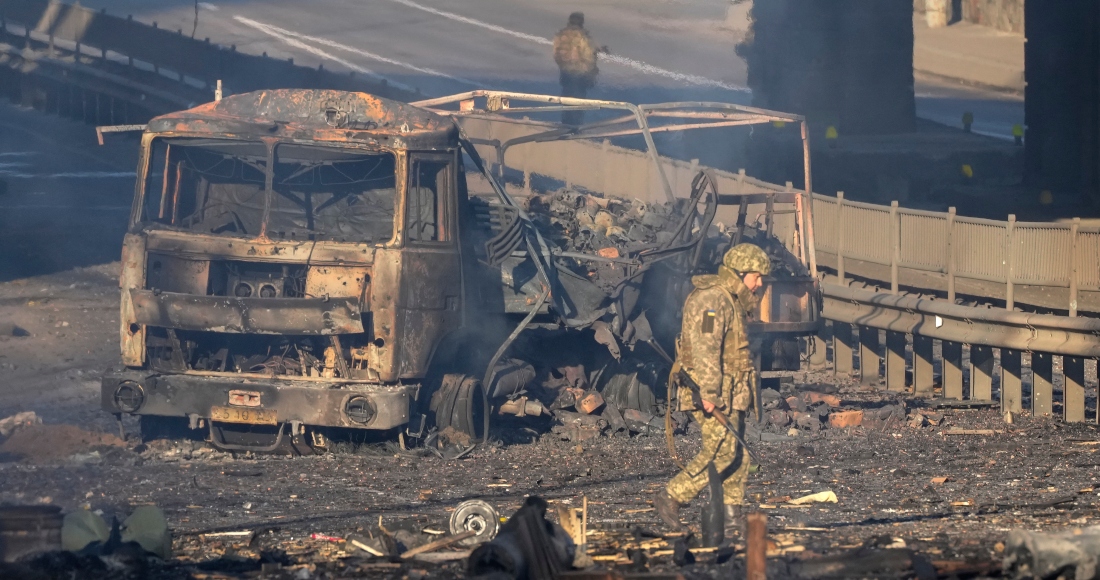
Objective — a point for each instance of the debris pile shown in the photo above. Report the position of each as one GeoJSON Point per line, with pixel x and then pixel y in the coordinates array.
{"type": "Point", "coordinates": [579, 393]}
{"type": "Point", "coordinates": [813, 408]}
{"type": "Point", "coordinates": [611, 228]}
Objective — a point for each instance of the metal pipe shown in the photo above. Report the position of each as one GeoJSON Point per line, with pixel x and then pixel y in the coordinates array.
{"type": "Point", "coordinates": [809, 205]}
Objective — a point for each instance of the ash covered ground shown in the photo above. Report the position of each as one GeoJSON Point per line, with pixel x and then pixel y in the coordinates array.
{"type": "Point", "coordinates": [929, 479]}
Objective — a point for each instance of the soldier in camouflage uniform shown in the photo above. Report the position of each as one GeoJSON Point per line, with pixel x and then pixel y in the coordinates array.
{"type": "Point", "coordinates": [713, 349]}
{"type": "Point", "coordinates": [575, 52]}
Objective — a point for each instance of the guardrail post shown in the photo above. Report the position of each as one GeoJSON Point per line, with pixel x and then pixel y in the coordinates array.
{"type": "Point", "coordinates": [981, 372]}
{"type": "Point", "coordinates": [1012, 385]}
{"type": "Point", "coordinates": [1042, 383]}
{"type": "Point", "coordinates": [950, 255]}
{"type": "Point", "coordinates": [1073, 368]}
{"type": "Point", "coordinates": [842, 348]}
{"type": "Point", "coordinates": [952, 369]}
{"type": "Point", "coordinates": [743, 209]}
{"type": "Point", "coordinates": [840, 273]}
{"type": "Point", "coordinates": [895, 361]}
{"type": "Point", "coordinates": [895, 233]}
{"type": "Point", "coordinates": [923, 380]}
{"type": "Point", "coordinates": [869, 359]}
{"type": "Point", "coordinates": [1010, 289]}
{"type": "Point", "coordinates": [1073, 269]}
{"type": "Point", "coordinates": [769, 211]}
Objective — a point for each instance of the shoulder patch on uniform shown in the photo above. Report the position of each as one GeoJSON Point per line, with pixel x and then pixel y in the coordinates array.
{"type": "Point", "coordinates": [704, 281]}
{"type": "Point", "coordinates": [708, 321]}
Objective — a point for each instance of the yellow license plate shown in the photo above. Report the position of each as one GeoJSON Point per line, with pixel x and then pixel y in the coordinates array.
{"type": "Point", "coordinates": [238, 415]}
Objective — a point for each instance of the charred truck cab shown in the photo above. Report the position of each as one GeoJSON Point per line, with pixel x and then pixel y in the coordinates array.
{"type": "Point", "coordinates": [293, 257]}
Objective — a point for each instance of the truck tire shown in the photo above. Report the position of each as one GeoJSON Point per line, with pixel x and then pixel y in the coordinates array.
{"type": "Point", "coordinates": [461, 403]}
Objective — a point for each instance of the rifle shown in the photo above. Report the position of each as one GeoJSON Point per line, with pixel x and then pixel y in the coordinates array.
{"type": "Point", "coordinates": [723, 420]}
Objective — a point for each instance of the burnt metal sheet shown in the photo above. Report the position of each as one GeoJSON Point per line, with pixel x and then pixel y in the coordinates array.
{"type": "Point", "coordinates": [309, 316]}
{"type": "Point", "coordinates": [311, 402]}
{"type": "Point", "coordinates": [314, 114]}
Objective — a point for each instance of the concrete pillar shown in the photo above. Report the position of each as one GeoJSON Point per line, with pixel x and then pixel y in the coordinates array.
{"type": "Point", "coordinates": [937, 13]}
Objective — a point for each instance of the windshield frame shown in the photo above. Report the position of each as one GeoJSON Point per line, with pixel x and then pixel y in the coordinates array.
{"type": "Point", "coordinates": [145, 160]}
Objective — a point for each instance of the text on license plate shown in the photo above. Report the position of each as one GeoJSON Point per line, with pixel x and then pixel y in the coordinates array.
{"type": "Point", "coordinates": [238, 415]}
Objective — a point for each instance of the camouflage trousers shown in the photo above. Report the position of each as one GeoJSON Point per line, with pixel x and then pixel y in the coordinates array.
{"type": "Point", "coordinates": [729, 459]}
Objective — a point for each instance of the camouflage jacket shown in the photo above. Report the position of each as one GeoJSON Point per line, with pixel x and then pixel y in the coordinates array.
{"type": "Point", "coordinates": [575, 52]}
{"type": "Point", "coordinates": [713, 347]}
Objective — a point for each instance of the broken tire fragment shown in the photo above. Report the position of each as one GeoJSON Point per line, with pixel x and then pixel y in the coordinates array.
{"type": "Point", "coordinates": [461, 404]}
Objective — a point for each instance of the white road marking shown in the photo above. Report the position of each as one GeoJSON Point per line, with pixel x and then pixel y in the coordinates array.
{"type": "Point", "coordinates": [275, 30]}
{"type": "Point", "coordinates": [71, 174]}
{"type": "Point", "coordinates": [208, 6]}
{"type": "Point", "coordinates": [4, 166]}
{"type": "Point", "coordinates": [18, 153]}
{"type": "Point", "coordinates": [621, 60]}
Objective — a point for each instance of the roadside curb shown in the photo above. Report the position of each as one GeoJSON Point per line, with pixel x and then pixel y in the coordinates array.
{"type": "Point", "coordinates": [934, 76]}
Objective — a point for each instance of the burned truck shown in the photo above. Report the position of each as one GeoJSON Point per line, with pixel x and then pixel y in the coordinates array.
{"type": "Point", "coordinates": [299, 261]}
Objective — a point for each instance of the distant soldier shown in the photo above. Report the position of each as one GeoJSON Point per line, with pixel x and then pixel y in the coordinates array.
{"type": "Point", "coordinates": [713, 350]}
{"type": "Point", "coordinates": [575, 52]}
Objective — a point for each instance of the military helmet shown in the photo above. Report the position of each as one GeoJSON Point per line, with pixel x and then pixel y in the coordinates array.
{"type": "Point", "coordinates": [745, 258]}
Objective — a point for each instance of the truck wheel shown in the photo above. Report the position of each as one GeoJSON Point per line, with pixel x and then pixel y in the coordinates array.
{"type": "Point", "coordinates": [461, 403]}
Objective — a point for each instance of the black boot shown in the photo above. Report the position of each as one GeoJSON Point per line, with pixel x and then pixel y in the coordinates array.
{"type": "Point", "coordinates": [735, 521]}
{"type": "Point", "coordinates": [667, 508]}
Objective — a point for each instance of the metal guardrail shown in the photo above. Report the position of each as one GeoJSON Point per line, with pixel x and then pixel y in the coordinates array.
{"type": "Point", "coordinates": [1044, 265]}
{"type": "Point", "coordinates": [970, 340]}
{"type": "Point", "coordinates": [937, 250]}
